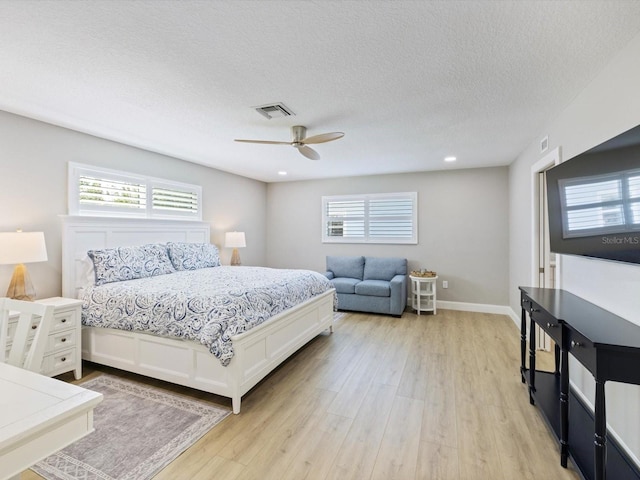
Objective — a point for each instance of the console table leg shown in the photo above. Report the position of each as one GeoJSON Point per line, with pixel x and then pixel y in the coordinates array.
{"type": "Point", "coordinates": [564, 408]}
{"type": "Point", "coordinates": [600, 437]}
{"type": "Point", "coordinates": [532, 361]}
{"type": "Point", "coordinates": [557, 358]}
{"type": "Point", "coordinates": [523, 344]}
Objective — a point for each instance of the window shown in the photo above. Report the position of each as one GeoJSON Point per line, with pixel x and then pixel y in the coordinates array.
{"type": "Point", "coordinates": [105, 192]}
{"type": "Point", "coordinates": [374, 218]}
{"type": "Point", "coordinates": [601, 204]}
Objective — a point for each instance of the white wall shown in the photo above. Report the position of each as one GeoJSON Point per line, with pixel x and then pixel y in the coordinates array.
{"type": "Point", "coordinates": [462, 228]}
{"type": "Point", "coordinates": [33, 190]}
{"type": "Point", "coordinates": [607, 107]}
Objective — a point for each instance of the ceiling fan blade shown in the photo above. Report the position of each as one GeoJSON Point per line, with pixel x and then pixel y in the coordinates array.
{"type": "Point", "coordinates": [308, 152]}
{"type": "Point", "coordinates": [323, 137]}
{"type": "Point", "coordinates": [263, 141]}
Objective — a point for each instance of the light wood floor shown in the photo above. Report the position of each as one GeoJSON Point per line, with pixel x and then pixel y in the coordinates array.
{"type": "Point", "coordinates": [419, 397]}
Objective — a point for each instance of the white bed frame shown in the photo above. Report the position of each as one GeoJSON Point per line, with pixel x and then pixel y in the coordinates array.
{"type": "Point", "coordinates": [257, 352]}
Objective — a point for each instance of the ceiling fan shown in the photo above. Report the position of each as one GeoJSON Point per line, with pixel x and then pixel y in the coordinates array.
{"type": "Point", "coordinates": [299, 141]}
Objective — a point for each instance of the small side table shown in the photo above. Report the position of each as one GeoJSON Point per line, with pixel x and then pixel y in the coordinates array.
{"type": "Point", "coordinates": [423, 294]}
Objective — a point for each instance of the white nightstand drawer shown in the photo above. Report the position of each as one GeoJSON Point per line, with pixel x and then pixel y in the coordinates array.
{"type": "Point", "coordinates": [61, 340]}
{"type": "Point", "coordinates": [64, 320]}
{"type": "Point", "coordinates": [13, 325]}
{"type": "Point", "coordinates": [59, 362]}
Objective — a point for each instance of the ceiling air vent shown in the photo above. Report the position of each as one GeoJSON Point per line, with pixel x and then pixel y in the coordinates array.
{"type": "Point", "coordinates": [275, 110]}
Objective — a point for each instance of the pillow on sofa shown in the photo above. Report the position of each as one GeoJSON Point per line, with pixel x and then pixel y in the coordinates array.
{"type": "Point", "coordinates": [384, 268]}
{"type": "Point", "coordinates": [192, 256]}
{"type": "Point", "coordinates": [350, 267]}
{"type": "Point", "coordinates": [128, 263]}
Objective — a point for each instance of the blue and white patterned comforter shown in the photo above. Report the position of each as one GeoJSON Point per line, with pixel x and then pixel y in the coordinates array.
{"type": "Point", "coordinates": [208, 305]}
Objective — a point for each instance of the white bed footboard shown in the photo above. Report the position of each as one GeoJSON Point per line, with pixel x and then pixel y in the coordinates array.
{"type": "Point", "coordinates": [257, 352]}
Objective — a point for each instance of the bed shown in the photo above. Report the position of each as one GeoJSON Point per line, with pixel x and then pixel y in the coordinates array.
{"type": "Point", "coordinates": [229, 365]}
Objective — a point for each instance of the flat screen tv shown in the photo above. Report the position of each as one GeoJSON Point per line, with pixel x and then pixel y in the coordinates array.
{"type": "Point", "coordinates": [594, 201]}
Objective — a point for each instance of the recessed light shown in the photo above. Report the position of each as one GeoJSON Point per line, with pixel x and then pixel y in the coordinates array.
{"type": "Point", "coordinates": [450, 159]}
{"type": "Point", "coordinates": [282, 172]}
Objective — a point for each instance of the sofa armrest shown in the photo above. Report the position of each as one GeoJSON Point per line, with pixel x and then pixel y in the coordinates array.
{"type": "Point", "coordinates": [398, 285]}
{"type": "Point", "coordinates": [329, 275]}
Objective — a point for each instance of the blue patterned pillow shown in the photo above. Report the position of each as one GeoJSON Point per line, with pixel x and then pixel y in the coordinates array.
{"type": "Point", "coordinates": [191, 256]}
{"type": "Point", "coordinates": [128, 263]}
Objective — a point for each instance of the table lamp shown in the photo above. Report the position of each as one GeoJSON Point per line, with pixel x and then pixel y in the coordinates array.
{"type": "Point", "coordinates": [235, 240]}
{"type": "Point", "coordinates": [19, 248]}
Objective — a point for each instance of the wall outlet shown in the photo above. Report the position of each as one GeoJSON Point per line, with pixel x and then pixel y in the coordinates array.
{"type": "Point", "coordinates": [445, 284]}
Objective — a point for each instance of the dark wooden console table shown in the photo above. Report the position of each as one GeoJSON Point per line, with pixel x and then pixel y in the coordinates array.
{"type": "Point", "coordinates": [607, 345]}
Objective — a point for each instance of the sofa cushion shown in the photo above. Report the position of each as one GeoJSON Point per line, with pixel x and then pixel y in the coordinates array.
{"type": "Point", "coordinates": [350, 267]}
{"type": "Point", "coordinates": [345, 285]}
{"type": "Point", "coordinates": [384, 268]}
{"type": "Point", "coordinates": [373, 288]}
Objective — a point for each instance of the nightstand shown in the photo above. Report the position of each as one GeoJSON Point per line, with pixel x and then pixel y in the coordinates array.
{"type": "Point", "coordinates": [63, 350]}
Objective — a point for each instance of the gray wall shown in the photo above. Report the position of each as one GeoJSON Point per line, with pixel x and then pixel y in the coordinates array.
{"type": "Point", "coordinates": [463, 228]}
{"type": "Point", "coordinates": [607, 107]}
{"type": "Point", "coordinates": [33, 190]}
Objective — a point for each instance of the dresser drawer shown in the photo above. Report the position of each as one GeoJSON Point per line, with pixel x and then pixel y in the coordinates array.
{"type": "Point", "coordinates": [583, 349]}
{"type": "Point", "coordinates": [547, 322]}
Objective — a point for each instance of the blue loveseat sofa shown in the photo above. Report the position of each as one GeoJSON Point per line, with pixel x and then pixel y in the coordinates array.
{"type": "Point", "coordinates": [369, 284]}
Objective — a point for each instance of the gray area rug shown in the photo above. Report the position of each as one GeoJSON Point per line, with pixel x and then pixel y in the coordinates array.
{"type": "Point", "coordinates": [138, 431]}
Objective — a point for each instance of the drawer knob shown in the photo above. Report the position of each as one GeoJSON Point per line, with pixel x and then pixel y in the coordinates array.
{"type": "Point", "coordinates": [33, 327]}
{"type": "Point", "coordinates": [575, 344]}
{"type": "Point", "coordinates": [63, 359]}
{"type": "Point", "coordinates": [64, 320]}
{"type": "Point", "coordinates": [551, 325]}
{"type": "Point", "coordinates": [534, 310]}
{"type": "Point", "coordinates": [63, 340]}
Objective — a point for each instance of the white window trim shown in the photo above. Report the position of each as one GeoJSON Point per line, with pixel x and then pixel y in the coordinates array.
{"type": "Point", "coordinates": [367, 198]}
{"type": "Point", "coordinates": [76, 170]}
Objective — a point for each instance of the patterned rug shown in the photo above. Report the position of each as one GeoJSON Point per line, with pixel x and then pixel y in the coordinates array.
{"type": "Point", "coordinates": [138, 431]}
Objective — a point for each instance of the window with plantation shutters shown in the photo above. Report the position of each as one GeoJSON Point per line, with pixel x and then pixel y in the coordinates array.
{"type": "Point", "coordinates": [601, 204]}
{"type": "Point", "coordinates": [372, 218]}
{"type": "Point", "coordinates": [106, 192]}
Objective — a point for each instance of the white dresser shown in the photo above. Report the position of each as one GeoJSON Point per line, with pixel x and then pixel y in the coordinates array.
{"type": "Point", "coordinates": [62, 353]}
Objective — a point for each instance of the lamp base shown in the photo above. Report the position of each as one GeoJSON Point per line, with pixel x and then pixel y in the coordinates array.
{"type": "Point", "coordinates": [235, 258]}
{"type": "Point", "coordinates": [20, 287]}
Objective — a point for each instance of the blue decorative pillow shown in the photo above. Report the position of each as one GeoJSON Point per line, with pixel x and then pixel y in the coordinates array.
{"type": "Point", "coordinates": [191, 256]}
{"type": "Point", "coordinates": [128, 263]}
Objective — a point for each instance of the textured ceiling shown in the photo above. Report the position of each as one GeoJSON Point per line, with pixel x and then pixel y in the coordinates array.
{"type": "Point", "coordinates": [408, 82]}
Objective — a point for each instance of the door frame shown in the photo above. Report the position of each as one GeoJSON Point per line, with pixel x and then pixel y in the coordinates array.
{"type": "Point", "coordinates": [549, 160]}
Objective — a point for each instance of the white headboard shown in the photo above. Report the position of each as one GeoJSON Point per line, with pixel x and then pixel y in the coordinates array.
{"type": "Point", "coordinates": [80, 234]}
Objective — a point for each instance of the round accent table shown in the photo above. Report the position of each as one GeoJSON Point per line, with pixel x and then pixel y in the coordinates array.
{"type": "Point", "coordinates": [423, 294]}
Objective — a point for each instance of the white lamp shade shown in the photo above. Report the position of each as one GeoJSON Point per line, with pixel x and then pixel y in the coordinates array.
{"type": "Point", "coordinates": [22, 247]}
{"type": "Point", "coordinates": [234, 240]}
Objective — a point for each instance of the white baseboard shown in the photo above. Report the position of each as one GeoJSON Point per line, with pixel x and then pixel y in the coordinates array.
{"type": "Point", "coordinates": [475, 307]}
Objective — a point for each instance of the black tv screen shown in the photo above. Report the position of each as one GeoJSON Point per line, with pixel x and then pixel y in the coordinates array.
{"type": "Point", "coordinates": [594, 201]}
